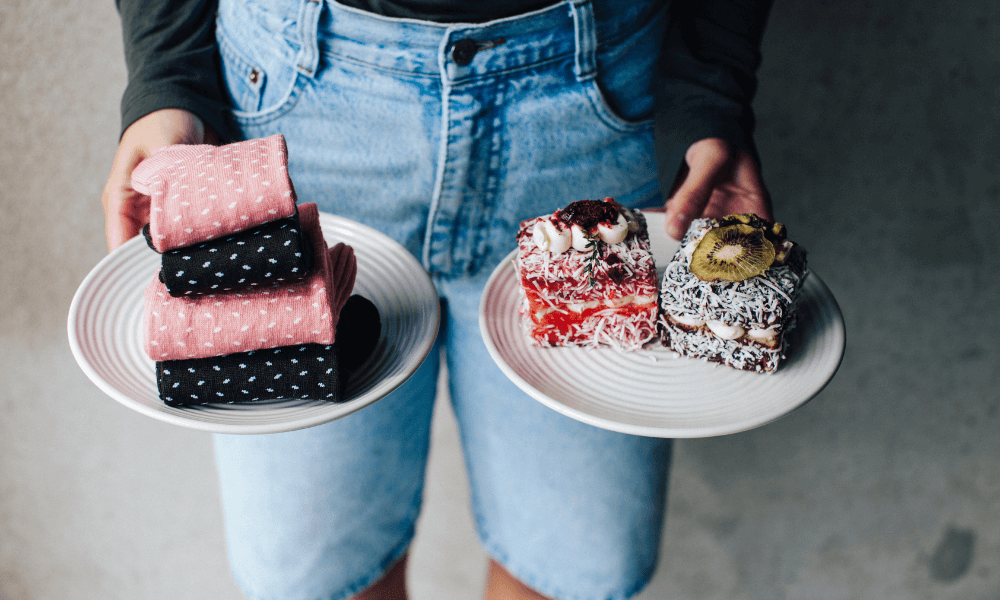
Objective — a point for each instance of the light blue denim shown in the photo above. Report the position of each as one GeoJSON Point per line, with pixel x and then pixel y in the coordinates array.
{"type": "Point", "coordinates": [385, 127]}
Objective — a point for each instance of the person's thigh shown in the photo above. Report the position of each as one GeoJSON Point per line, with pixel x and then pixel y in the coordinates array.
{"type": "Point", "coordinates": [572, 510]}
{"type": "Point", "coordinates": [324, 511]}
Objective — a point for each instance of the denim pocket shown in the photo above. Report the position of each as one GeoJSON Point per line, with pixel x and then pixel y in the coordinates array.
{"type": "Point", "coordinates": [623, 92]}
{"type": "Point", "coordinates": [261, 78]}
{"type": "Point", "coordinates": [244, 79]}
{"type": "Point", "coordinates": [613, 115]}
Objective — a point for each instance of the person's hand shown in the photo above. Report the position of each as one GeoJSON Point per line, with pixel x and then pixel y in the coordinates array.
{"type": "Point", "coordinates": [126, 211]}
{"type": "Point", "coordinates": [718, 182]}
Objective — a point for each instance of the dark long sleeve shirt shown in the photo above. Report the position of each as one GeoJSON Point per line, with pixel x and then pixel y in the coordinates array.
{"type": "Point", "coordinates": [706, 82]}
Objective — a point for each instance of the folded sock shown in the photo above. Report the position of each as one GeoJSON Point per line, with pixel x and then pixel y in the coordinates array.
{"type": "Point", "coordinates": [270, 253]}
{"type": "Point", "coordinates": [202, 192]}
{"type": "Point", "coordinates": [343, 267]}
{"type": "Point", "coordinates": [306, 371]}
{"type": "Point", "coordinates": [286, 314]}
{"type": "Point", "coordinates": [357, 332]}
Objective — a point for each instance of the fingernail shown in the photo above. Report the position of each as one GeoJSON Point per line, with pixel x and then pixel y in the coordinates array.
{"type": "Point", "coordinates": [675, 227]}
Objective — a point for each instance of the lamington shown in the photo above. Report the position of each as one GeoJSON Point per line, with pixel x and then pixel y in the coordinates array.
{"type": "Point", "coordinates": [728, 294]}
{"type": "Point", "coordinates": [587, 277]}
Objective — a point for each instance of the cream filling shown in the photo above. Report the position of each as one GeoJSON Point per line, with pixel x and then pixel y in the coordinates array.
{"type": "Point", "coordinates": [763, 335]}
{"type": "Point", "coordinates": [579, 307]}
{"type": "Point", "coordinates": [729, 332]}
{"type": "Point", "coordinates": [686, 320]}
{"type": "Point", "coordinates": [724, 330]}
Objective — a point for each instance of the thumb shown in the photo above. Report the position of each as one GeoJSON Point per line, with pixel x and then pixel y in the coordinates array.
{"type": "Point", "coordinates": [706, 161]}
{"type": "Point", "coordinates": [125, 210]}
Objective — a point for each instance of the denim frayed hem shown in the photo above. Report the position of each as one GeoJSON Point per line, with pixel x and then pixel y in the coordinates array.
{"type": "Point", "coordinates": [537, 583]}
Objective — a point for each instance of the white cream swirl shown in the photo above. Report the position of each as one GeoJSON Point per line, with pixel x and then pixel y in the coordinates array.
{"type": "Point", "coordinates": [557, 239]}
{"type": "Point", "coordinates": [549, 236]}
{"type": "Point", "coordinates": [613, 233]}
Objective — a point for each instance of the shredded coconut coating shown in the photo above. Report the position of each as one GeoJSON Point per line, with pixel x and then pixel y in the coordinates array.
{"type": "Point", "coordinates": [560, 307]}
{"type": "Point", "coordinates": [766, 301]}
{"type": "Point", "coordinates": [705, 345]}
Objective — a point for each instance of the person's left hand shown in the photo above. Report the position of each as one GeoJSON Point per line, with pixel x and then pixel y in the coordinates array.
{"type": "Point", "coordinates": [125, 209]}
{"type": "Point", "coordinates": [718, 182]}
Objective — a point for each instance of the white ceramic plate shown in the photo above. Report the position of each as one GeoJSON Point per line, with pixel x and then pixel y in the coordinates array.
{"type": "Point", "coordinates": [105, 335]}
{"type": "Point", "coordinates": [654, 392]}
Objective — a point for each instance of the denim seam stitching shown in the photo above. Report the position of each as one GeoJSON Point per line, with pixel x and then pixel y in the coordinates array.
{"type": "Point", "coordinates": [243, 64]}
{"type": "Point", "coordinates": [394, 71]}
{"type": "Point", "coordinates": [512, 70]}
{"type": "Point", "coordinates": [463, 80]}
{"type": "Point", "coordinates": [585, 41]}
{"type": "Point", "coordinates": [480, 248]}
{"type": "Point", "coordinates": [499, 73]}
{"type": "Point", "coordinates": [307, 59]}
{"type": "Point", "coordinates": [442, 156]}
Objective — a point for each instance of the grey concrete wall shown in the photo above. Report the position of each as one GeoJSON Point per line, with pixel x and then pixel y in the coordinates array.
{"type": "Point", "coordinates": [878, 127]}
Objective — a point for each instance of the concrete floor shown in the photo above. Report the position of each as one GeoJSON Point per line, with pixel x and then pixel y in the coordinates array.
{"type": "Point", "coordinates": [878, 127]}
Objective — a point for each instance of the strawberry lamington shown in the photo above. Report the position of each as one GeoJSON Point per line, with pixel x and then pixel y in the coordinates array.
{"type": "Point", "coordinates": [587, 277]}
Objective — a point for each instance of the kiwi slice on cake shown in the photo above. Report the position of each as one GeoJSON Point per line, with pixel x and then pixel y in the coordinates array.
{"type": "Point", "coordinates": [773, 231]}
{"type": "Point", "coordinates": [778, 231]}
{"type": "Point", "coordinates": [746, 219]}
{"type": "Point", "coordinates": [732, 253]}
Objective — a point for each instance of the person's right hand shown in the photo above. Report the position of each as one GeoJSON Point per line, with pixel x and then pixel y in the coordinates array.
{"type": "Point", "coordinates": [126, 211]}
{"type": "Point", "coordinates": [718, 182]}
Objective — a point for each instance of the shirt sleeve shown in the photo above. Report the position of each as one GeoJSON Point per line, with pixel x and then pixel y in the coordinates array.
{"type": "Point", "coordinates": [708, 77]}
{"type": "Point", "coordinates": [173, 61]}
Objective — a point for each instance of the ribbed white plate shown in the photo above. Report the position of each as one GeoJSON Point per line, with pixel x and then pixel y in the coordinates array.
{"type": "Point", "coordinates": [654, 392]}
{"type": "Point", "coordinates": [105, 335]}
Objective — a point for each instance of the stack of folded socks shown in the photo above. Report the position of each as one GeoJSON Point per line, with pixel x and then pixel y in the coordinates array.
{"type": "Point", "coordinates": [247, 302]}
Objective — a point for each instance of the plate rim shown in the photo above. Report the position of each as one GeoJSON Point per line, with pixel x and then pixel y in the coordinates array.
{"type": "Point", "coordinates": [838, 339]}
{"type": "Point", "coordinates": [338, 410]}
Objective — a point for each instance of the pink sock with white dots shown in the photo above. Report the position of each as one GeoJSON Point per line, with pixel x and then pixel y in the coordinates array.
{"type": "Point", "coordinates": [203, 192]}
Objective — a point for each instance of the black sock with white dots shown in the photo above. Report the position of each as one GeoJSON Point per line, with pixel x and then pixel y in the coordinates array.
{"type": "Point", "coordinates": [305, 371]}
{"type": "Point", "coordinates": [275, 252]}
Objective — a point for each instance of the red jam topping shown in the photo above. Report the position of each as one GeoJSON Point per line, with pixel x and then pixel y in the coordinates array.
{"type": "Point", "coordinates": [588, 213]}
{"type": "Point", "coordinates": [617, 273]}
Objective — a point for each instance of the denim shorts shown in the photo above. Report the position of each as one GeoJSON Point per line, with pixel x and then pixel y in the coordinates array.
{"type": "Point", "coordinates": [445, 137]}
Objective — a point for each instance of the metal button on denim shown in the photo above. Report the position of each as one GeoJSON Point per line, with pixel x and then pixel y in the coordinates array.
{"type": "Point", "coordinates": [464, 51]}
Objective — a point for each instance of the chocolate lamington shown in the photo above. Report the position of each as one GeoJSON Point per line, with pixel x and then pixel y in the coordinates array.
{"type": "Point", "coordinates": [728, 294]}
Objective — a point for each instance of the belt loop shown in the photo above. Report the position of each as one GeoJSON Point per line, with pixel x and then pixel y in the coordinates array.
{"type": "Point", "coordinates": [308, 58]}
{"type": "Point", "coordinates": [586, 40]}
